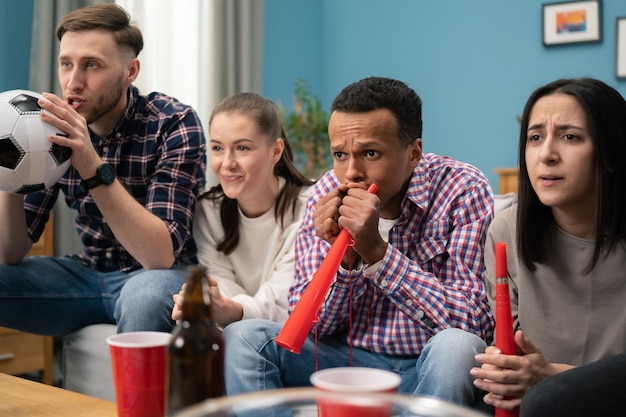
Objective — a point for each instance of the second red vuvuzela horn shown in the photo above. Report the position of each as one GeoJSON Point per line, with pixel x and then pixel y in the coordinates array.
{"type": "Point", "coordinates": [504, 320]}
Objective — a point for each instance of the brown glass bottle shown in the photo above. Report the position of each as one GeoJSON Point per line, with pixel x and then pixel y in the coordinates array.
{"type": "Point", "coordinates": [196, 350]}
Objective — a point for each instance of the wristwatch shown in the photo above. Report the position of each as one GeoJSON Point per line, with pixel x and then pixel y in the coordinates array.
{"type": "Point", "coordinates": [105, 174]}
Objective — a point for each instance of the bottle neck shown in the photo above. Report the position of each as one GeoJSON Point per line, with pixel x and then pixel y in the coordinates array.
{"type": "Point", "coordinates": [195, 312]}
{"type": "Point", "coordinates": [196, 300]}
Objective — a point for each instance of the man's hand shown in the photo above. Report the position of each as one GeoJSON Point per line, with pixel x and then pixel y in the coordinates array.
{"type": "Point", "coordinates": [62, 116]}
{"type": "Point", "coordinates": [359, 214]}
{"type": "Point", "coordinates": [326, 214]}
{"type": "Point", "coordinates": [352, 207]}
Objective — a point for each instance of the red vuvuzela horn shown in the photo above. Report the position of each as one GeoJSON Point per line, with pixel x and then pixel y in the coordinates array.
{"type": "Point", "coordinates": [299, 323]}
{"type": "Point", "coordinates": [504, 320]}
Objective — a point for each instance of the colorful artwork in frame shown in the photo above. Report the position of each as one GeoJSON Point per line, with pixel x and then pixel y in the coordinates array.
{"type": "Point", "coordinates": [571, 22]}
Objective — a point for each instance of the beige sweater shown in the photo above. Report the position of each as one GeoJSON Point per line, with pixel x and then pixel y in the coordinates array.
{"type": "Point", "coordinates": [573, 318]}
{"type": "Point", "coordinates": [259, 272]}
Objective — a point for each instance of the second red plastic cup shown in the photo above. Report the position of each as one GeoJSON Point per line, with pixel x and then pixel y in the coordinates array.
{"type": "Point", "coordinates": [355, 380]}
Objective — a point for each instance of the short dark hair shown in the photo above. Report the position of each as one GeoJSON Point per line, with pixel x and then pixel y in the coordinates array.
{"type": "Point", "coordinates": [605, 109]}
{"type": "Point", "coordinates": [107, 16]}
{"type": "Point", "coordinates": [375, 93]}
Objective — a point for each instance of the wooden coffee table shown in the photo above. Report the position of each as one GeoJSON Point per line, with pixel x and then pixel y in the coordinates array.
{"type": "Point", "coordinates": [22, 397]}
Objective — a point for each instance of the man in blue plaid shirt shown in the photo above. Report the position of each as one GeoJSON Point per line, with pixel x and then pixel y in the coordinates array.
{"type": "Point", "coordinates": [137, 165]}
{"type": "Point", "coordinates": [411, 284]}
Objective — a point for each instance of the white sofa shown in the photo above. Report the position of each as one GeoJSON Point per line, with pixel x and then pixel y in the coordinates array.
{"type": "Point", "coordinates": [86, 362]}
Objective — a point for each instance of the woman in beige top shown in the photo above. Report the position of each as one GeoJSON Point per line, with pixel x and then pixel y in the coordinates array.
{"type": "Point", "coordinates": [565, 242]}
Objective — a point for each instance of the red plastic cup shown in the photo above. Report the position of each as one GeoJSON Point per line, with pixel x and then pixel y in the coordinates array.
{"type": "Point", "coordinates": [355, 380]}
{"type": "Point", "coordinates": [139, 372]}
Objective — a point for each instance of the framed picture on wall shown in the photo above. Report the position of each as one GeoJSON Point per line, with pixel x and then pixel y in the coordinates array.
{"type": "Point", "coordinates": [620, 48]}
{"type": "Point", "coordinates": [571, 22]}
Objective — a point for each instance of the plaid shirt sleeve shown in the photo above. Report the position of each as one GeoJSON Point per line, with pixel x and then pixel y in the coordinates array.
{"type": "Point", "coordinates": [428, 280]}
{"type": "Point", "coordinates": [178, 178]}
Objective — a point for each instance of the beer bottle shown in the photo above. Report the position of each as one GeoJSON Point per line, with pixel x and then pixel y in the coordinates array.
{"type": "Point", "coordinates": [196, 350]}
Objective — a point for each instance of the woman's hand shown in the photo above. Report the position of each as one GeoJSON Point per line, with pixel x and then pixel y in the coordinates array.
{"type": "Point", "coordinates": [223, 310]}
{"type": "Point", "coordinates": [508, 377]}
{"type": "Point", "coordinates": [177, 311]}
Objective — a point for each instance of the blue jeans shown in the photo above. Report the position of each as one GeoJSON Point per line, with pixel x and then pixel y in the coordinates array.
{"type": "Point", "coordinates": [55, 296]}
{"type": "Point", "coordinates": [254, 362]}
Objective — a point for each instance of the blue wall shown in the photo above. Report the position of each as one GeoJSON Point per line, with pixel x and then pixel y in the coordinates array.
{"type": "Point", "coordinates": [15, 37]}
{"type": "Point", "coordinates": [474, 63]}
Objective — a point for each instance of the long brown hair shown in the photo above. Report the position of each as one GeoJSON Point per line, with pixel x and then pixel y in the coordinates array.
{"type": "Point", "coordinates": [265, 114]}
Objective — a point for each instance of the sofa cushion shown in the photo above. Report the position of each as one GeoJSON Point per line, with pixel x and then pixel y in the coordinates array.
{"type": "Point", "coordinates": [87, 362]}
{"type": "Point", "coordinates": [502, 201]}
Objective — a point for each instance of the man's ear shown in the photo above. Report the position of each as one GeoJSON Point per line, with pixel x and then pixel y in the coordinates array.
{"type": "Point", "coordinates": [132, 70]}
{"type": "Point", "coordinates": [415, 151]}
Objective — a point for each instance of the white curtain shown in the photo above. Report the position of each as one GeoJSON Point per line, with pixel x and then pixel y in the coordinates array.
{"type": "Point", "coordinates": [177, 49]}
{"type": "Point", "coordinates": [199, 51]}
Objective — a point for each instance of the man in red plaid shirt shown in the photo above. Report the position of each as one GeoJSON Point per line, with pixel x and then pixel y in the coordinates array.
{"type": "Point", "coordinates": [411, 285]}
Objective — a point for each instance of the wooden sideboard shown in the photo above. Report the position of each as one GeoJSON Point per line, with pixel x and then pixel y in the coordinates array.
{"type": "Point", "coordinates": [22, 352]}
{"type": "Point", "coordinates": [507, 182]}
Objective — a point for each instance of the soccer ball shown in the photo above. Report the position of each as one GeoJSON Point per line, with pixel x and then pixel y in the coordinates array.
{"type": "Point", "coordinates": [29, 162]}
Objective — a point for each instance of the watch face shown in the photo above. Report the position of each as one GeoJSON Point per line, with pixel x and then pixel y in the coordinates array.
{"type": "Point", "coordinates": [106, 173]}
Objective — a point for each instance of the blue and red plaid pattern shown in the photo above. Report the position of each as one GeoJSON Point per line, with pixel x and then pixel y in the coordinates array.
{"type": "Point", "coordinates": [430, 276]}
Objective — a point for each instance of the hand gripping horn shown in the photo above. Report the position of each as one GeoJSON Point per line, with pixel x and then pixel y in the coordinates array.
{"type": "Point", "coordinates": [299, 323]}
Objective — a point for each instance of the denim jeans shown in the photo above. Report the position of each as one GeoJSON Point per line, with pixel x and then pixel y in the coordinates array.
{"type": "Point", "coordinates": [255, 362]}
{"type": "Point", "coordinates": [55, 296]}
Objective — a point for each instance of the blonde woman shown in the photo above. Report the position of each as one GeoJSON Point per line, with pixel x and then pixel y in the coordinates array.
{"type": "Point", "coordinates": [245, 227]}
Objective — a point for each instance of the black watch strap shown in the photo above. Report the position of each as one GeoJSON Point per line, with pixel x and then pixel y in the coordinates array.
{"type": "Point", "coordinates": [105, 174]}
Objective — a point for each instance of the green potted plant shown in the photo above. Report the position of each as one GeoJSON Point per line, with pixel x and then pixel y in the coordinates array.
{"type": "Point", "coordinates": [306, 126]}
